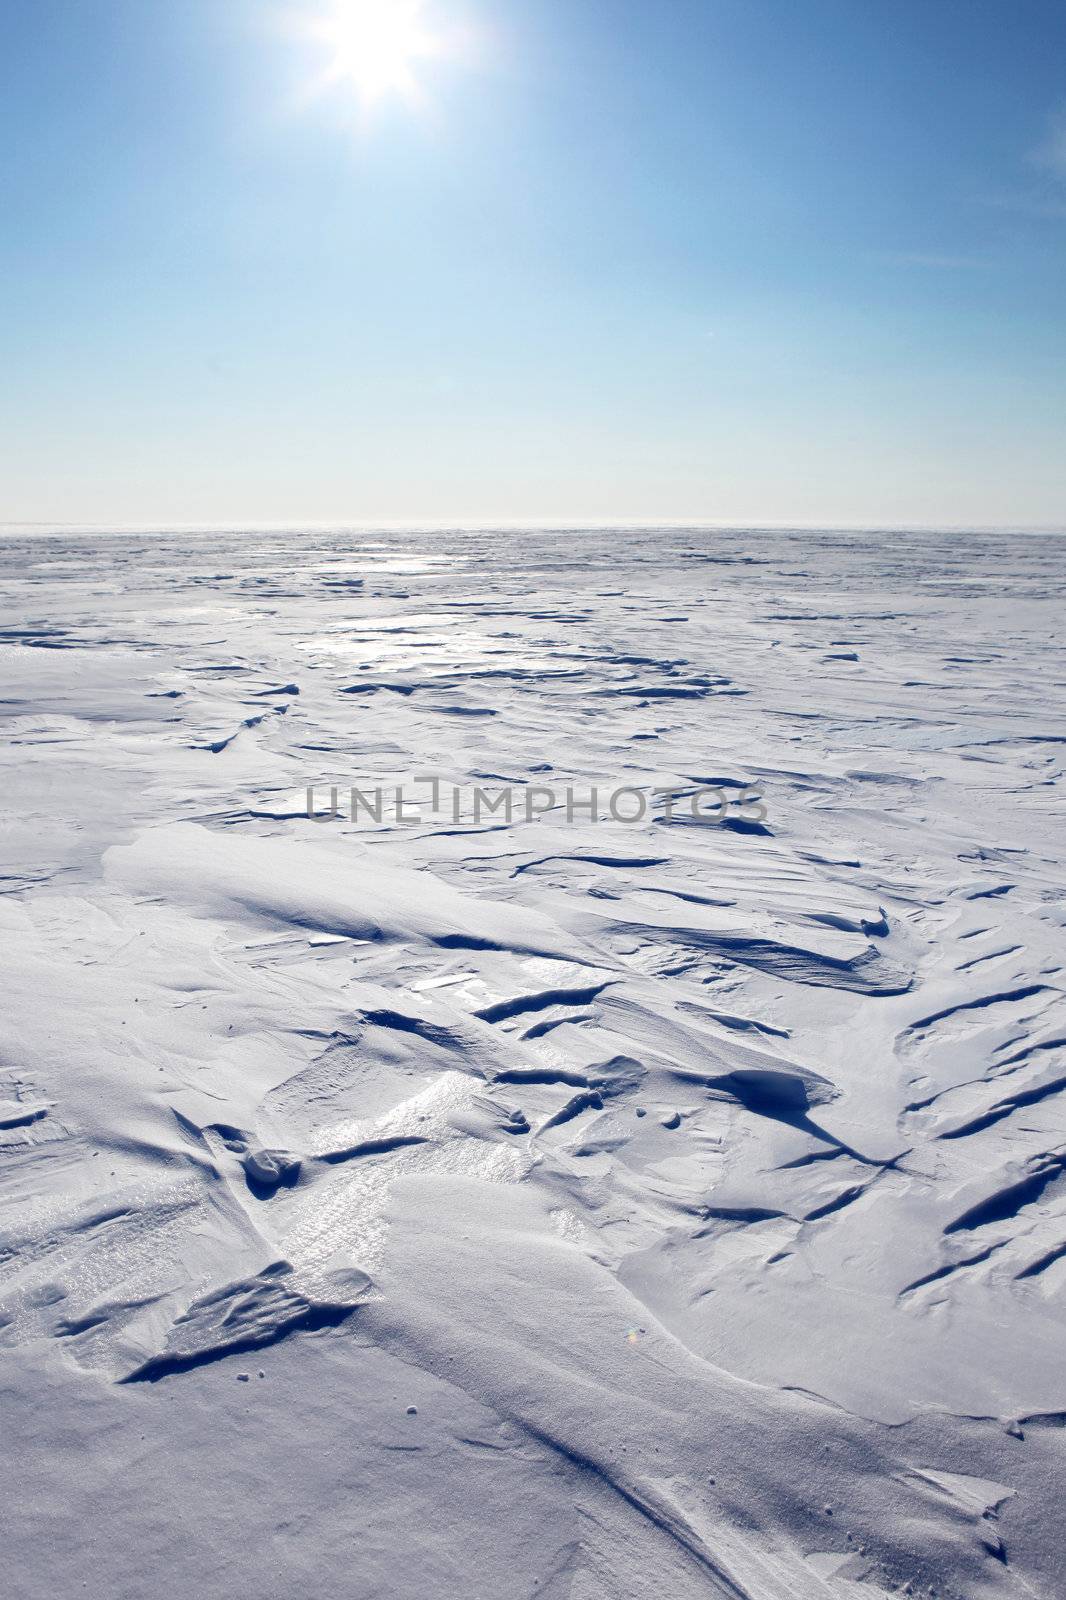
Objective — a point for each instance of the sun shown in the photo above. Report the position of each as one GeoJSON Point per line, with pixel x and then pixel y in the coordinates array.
{"type": "Point", "coordinates": [376, 45]}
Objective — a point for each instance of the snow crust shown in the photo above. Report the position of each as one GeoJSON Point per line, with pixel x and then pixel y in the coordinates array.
{"type": "Point", "coordinates": [534, 1210]}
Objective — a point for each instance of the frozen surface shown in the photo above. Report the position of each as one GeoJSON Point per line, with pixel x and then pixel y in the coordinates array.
{"type": "Point", "coordinates": [548, 1209]}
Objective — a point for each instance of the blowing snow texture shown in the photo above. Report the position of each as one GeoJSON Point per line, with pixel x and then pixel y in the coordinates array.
{"type": "Point", "coordinates": [552, 1210]}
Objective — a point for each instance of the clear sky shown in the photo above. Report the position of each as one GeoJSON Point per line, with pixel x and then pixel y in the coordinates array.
{"type": "Point", "coordinates": [767, 260]}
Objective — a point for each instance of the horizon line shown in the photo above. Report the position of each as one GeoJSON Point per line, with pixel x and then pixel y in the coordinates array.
{"type": "Point", "coordinates": [521, 525]}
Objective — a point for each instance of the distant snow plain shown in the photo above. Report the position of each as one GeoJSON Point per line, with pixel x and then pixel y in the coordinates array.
{"type": "Point", "coordinates": [556, 1209]}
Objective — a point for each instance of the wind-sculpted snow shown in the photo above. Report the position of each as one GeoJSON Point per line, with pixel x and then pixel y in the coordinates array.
{"type": "Point", "coordinates": [436, 1201]}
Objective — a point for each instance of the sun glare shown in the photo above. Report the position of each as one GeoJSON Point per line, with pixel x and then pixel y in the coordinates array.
{"type": "Point", "coordinates": [376, 44]}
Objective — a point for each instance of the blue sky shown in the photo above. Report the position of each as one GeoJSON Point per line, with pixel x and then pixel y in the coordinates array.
{"type": "Point", "coordinates": [736, 260]}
